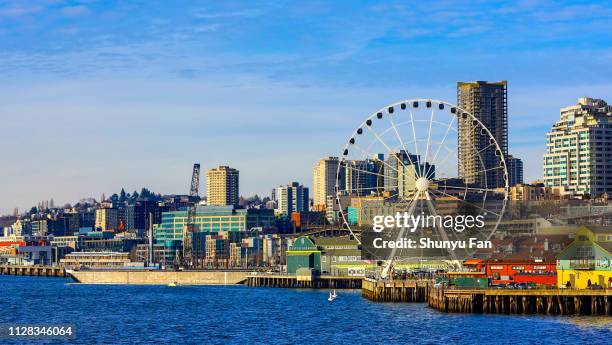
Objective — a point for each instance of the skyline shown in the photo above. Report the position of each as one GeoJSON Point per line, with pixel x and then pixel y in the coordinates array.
{"type": "Point", "coordinates": [87, 109]}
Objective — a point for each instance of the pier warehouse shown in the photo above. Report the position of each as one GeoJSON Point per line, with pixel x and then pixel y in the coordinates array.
{"type": "Point", "coordinates": [538, 271]}
{"type": "Point", "coordinates": [336, 256]}
{"type": "Point", "coordinates": [586, 261]}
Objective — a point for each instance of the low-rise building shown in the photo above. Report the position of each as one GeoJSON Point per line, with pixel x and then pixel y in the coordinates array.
{"type": "Point", "coordinates": [337, 256]}
{"type": "Point", "coordinates": [99, 260]}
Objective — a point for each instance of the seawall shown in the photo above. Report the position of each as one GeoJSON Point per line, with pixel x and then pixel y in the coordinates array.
{"type": "Point", "coordinates": [150, 277]}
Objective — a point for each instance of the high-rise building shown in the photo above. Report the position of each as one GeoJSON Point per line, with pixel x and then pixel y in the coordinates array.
{"type": "Point", "coordinates": [400, 173]}
{"type": "Point", "coordinates": [222, 186]}
{"type": "Point", "coordinates": [292, 198]}
{"type": "Point", "coordinates": [107, 218]}
{"type": "Point", "coordinates": [487, 101]}
{"type": "Point", "coordinates": [515, 170]}
{"type": "Point", "coordinates": [324, 181]}
{"type": "Point", "coordinates": [579, 149]}
{"type": "Point", "coordinates": [364, 177]}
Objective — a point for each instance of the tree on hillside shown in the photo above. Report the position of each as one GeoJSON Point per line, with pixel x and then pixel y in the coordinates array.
{"type": "Point", "coordinates": [122, 196]}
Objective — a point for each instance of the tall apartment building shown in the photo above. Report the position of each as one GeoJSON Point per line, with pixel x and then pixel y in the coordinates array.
{"type": "Point", "coordinates": [324, 181]}
{"type": "Point", "coordinates": [401, 171]}
{"type": "Point", "coordinates": [478, 162]}
{"type": "Point", "coordinates": [222, 186]}
{"type": "Point", "coordinates": [515, 170]}
{"type": "Point", "coordinates": [579, 149]}
{"type": "Point", "coordinates": [107, 218]}
{"type": "Point", "coordinates": [292, 198]}
{"type": "Point", "coordinates": [363, 177]}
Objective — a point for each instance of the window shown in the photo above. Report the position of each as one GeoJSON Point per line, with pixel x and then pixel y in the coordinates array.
{"type": "Point", "coordinates": [584, 252]}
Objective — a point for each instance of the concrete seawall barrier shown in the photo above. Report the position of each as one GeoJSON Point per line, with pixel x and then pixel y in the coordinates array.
{"type": "Point", "coordinates": [146, 277]}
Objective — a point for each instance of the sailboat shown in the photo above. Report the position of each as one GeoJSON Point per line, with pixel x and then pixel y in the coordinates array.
{"type": "Point", "coordinates": [332, 295]}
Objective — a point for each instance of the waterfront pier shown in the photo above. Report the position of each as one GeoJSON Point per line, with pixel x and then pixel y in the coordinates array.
{"type": "Point", "coordinates": [510, 301]}
{"type": "Point", "coordinates": [396, 290]}
{"type": "Point", "coordinates": [32, 270]}
{"type": "Point", "coordinates": [295, 281]}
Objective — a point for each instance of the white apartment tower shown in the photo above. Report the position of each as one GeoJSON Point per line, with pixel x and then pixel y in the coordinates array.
{"type": "Point", "coordinates": [579, 149]}
{"type": "Point", "coordinates": [292, 198]}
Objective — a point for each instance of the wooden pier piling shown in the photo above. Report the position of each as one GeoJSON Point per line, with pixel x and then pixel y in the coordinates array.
{"type": "Point", "coordinates": [33, 270]}
{"type": "Point", "coordinates": [292, 281]}
{"type": "Point", "coordinates": [507, 301]}
{"type": "Point", "coordinates": [396, 291]}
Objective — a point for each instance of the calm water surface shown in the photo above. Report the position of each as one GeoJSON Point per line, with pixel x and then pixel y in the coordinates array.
{"type": "Point", "coordinates": [115, 314]}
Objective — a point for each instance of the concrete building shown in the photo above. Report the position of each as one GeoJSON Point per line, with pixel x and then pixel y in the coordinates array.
{"type": "Point", "coordinates": [273, 249]}
{"type": "Point", "coordinates": [531, 192]}
{"type": "Point", "coordinates": [222, 186]}
{"type": "Point", "coordinates": [334, 206]}
{"type": "Point", "coordinates": [324, 181]}
{"type": "Point", "coordinates": [292, 198]}
{"type": "Point", "coordinates": [26, 255]}
{"type": "Point", "coordinates": [579, 149]}
{"type": "Point", "coordinates": [107, 218]}
{"type": "Point", "coordinates": [162, 255]}
{"type": "Point", "coordinates": [515, 170]}
{"type": "Point", "coordinates": [40, 227]}
{"type": "Point", "coordinates": [487, 101]}
{"type": "Point", "coordinates": [22, 227]}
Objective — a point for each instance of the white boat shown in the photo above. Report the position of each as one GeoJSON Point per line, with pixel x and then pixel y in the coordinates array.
{"type": "Point", "coordinates": [173, 284]}
{"type": "Point", "coordinates": [332, 296]}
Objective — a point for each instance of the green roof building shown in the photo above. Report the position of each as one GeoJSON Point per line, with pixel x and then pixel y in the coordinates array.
{"type": "Point", "coordinates": [303, 254]}
{"type": "Point", "coordinates": [337, 256]}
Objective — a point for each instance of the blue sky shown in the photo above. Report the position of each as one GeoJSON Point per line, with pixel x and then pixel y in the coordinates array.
{"type": "Point", "coordinates": [99, 95]}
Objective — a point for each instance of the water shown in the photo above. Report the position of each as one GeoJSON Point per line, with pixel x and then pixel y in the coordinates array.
{"type": "Point", "coordinates": [114, 314]}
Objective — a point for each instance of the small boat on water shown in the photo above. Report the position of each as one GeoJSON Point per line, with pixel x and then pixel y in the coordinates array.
{"type": "Point", "coordinates": [332, 295]}
{"type": "Point", "coordinates": [173, 284]}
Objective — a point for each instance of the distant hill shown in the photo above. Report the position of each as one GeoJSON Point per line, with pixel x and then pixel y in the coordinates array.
{"type": "Point", "coordinates": [7, 221]}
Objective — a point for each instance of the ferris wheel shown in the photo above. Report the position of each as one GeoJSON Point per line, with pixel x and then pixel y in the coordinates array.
{"type": "Point", "coordinates": [428, 158]}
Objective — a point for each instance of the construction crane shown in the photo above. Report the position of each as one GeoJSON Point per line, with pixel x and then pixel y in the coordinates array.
{"type": "Point", "coordinates": [190, 227]}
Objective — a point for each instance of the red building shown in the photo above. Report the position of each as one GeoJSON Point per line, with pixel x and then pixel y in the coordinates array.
{"type": "Point", "coordinates": [517, 271]}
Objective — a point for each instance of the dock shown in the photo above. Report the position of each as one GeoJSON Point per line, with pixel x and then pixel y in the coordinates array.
{"type": "Point", "coordinates": [294, 281]}
{"type": "Point", "coordinates": [490, 301]}
{"type": "Point", "coordinates": [511, 301]}
{"type": "Point", "coordinates": [397, 290]}
{"type": "Point", "coordinates": [33, 270]}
